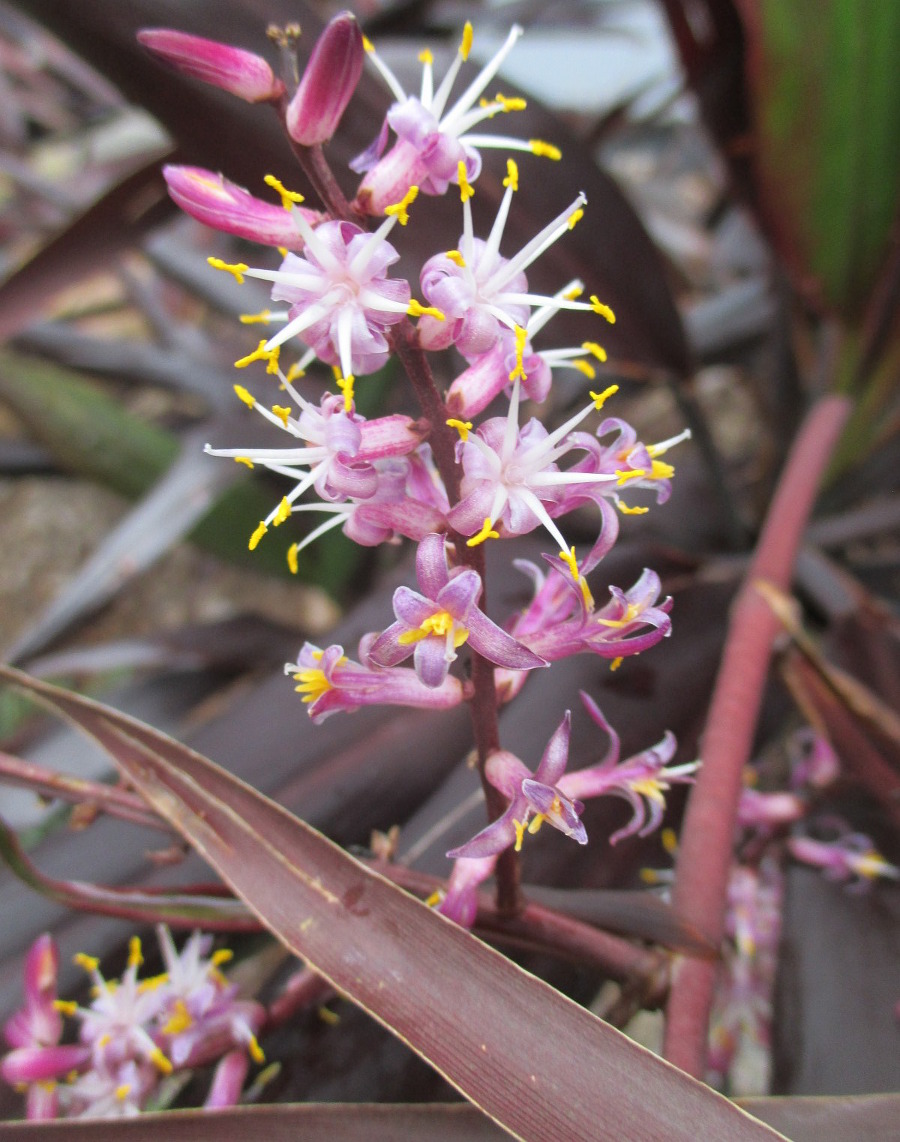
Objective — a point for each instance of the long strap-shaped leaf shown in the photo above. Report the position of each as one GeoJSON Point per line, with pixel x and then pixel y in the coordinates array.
{"type": "Point", "coordinates": [538, 1064]}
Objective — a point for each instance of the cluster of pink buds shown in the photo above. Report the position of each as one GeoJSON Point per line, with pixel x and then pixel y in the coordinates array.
{"type": "Point", "coordinates": [131, 1035]}
{"type": "Point", "coordinates": [465, 467]}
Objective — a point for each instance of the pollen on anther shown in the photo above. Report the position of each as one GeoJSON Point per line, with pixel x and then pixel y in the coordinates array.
{"type": "Point", "coordinates": [288, 197]}
{"type": "Point", "coordinates": [604, 310]}
{"type": "Point", "coordinates": [544, 150]}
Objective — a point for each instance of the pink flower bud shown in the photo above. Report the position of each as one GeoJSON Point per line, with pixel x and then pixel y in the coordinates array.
{"type": "Point", "coordinates": [244, 74]}
{"type": "Point", "coordinates": [224, 205]}
{"type": "Point", "coordinates": [329, 80]}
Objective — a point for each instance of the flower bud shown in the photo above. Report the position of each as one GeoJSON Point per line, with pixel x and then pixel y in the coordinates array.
{"type": "Point", "coordinates": [329, 80]}
{"type": "Point", "coordinates": [216, 202]}
{"type": "Point", "coordinates": [243, 73]}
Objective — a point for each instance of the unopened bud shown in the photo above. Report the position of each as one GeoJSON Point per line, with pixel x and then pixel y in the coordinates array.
{"type": "Point", "coordinates": [328, 82]}
{"type": "Point", "coordinates": [216, 202]}
{"type": "Point", "coordinates": [243, 73]}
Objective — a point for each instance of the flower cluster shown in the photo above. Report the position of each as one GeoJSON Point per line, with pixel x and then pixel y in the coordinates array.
{"type": "Point", "coordinates": [474, 466]}
{"type": "Point", "coordinates": [132, 1034]}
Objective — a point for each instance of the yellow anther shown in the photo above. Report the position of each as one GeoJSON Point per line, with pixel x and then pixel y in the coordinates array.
{"type": "Point", "coordinates": [575, 217]}
{"type": "Point", "coordinates": [616, 663]}
{"type": "Point", "coordinates": [135, 956]}
{"type": "Point", "coordinates": [659, 470]}
{"type": "Point", "coordinates": [649, 876]}
{"type": "Point", "coordinates": [516, 103]}
{"type": "Point", "coordinates": [441, 623]}
{"type": "Point", "coordinates": [160, 1061]}
{"type": "Point", "coordinates": [123, 1091]}
{"type": "Point", "coordinates": [600, 399]}
{"type": "Point", "coordinates": [180, 1019]}
{"type": "Point", "coordinates": [598, 307]}
{"type": "Point", "coordinates": [261, 353]}
{"type": "Point", "coordinates": [586, 593]}
{"type": "Point", "coordinates": [434, 899]}
{"type": "Point", "coordinates": [466, 45]}
{"type": "Point", "coordinates": [247, 397]}
{"type": "Point", "coordinates": [368, 45]}
{"type": "Point", "coordinates": [105, 1039]}
{"type": "Point", "coordinates": [425, 56]}
{"type": "Point", "coordinates": [222, 956]}
{"type": "Point", "coordinates": [65, 1006]}
{"type": "Point", "coordinates": [257, 536]}
{"type": "Point", "coordinates": [626, 510]}
{"type": "Point", "coordinates": [465, 187]}
{"type": "Point", "coordinates": [401, 208]}
{"type": "Point", "coordinates": [518, 372]}
{"type": "Point", "coordinates": [294, 372]}
{"type": "Point", "coordinates": [520, 834]}
{"type": "Point", "coordinates": [244, 460]}
{"type": "Point", "coordinates": [153, 982]}
{"type": "Point", "coordinates": [584, 367]}
{"type": "Point", "coordinates": [573, 294]}
{"type": "Point", "coordinates": [568, 557]}
{"type": "Point", "coordinates": [631, 474]}
{"type": "Point", "coordinates": [456, 257]}
{"type": "Point", "coordinates": [631, 613]}
{"type": "Point", "coordinates": [486, 532]}
{"type": "Point", "coordinates": [89, 963]}
{"type": "Point", "coordinates": [292, 563]}
{"type": "Point", "coordinates": [261, 318]}
{"type": "Point", "coordinates": [289, 198]}
{"type": "Point", "coordinates": [416, 309]}
{"type": "Point", "coordinates": [463, 427]}
{"type": "Point", "coordinates": [256, 1052]}
{"type": "Point", "coordinates": [345, 384]}
{"type": "Point", "coordinates": [594, 349]}
{"type": "Point", "coordinates": [512, 175]}
{"type": "Point", "coordinates": [283, 250]}
{"type": "Point", "coordinates": [535, 826]}
{"type": "Point", "coordinates": [312, 684]}
{"type": "Point", "coordinates": [283, 513]}
{"type": "Point", "coordinates": [238, 268]}
{"type": "Point", "coordinates": [283, 413]}
{"type": "Point", "coordinates": [328, 1016]}
{"type": "Point", "coordinates": [669, 840]}
{"type": "Point", "coordinates": [545, 150]}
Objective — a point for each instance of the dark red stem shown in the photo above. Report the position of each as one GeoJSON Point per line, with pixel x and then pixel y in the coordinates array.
{"type": "Point", "coordinates": [705, 853]}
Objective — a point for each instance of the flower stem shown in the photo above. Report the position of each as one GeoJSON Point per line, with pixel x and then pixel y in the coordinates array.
{"type": "Point", "coordinates": [483, 703]}
{"type": "Point", "coordinates": [704, 858]}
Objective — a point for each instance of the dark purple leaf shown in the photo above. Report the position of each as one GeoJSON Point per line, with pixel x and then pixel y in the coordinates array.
{"type": "Point", "coordinates": [478, 1019]}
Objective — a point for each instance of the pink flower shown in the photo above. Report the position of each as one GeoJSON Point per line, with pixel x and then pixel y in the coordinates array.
{"type": "Point", "coordinates": [434, 141]}
{"type": "Point", "coordinates": [240, 72]}
{"type": "Point", "coordinates": [330, 682]}
{"type": "Point", "coordinates": [433, 626]}
{"type": "Point", "coordinates": [225, 206]}
{"type": "Point", "coordinates": [329, 80]}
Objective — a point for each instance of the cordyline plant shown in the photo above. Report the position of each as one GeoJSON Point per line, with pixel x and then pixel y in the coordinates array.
{"type": "Point", "coordinates": [464, 468]}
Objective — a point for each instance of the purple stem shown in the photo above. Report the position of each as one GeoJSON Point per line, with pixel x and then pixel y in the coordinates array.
{"type": "Point", "coordinates": [705, 852]}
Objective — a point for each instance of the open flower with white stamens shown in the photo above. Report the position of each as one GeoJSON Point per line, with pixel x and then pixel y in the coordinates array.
{"type": "Point", "coordinates": [492, 372]}
{"type": "Point", "coordinates": [511, 476]}
{"type": "Point", "coordinates": [432, 138]}
{"type": "Point", "coordinates": [341, 301]}
{"type": "Point", "coordinates": [478, 291]}
{"type": "Point", "coordinates": [334, 450]}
